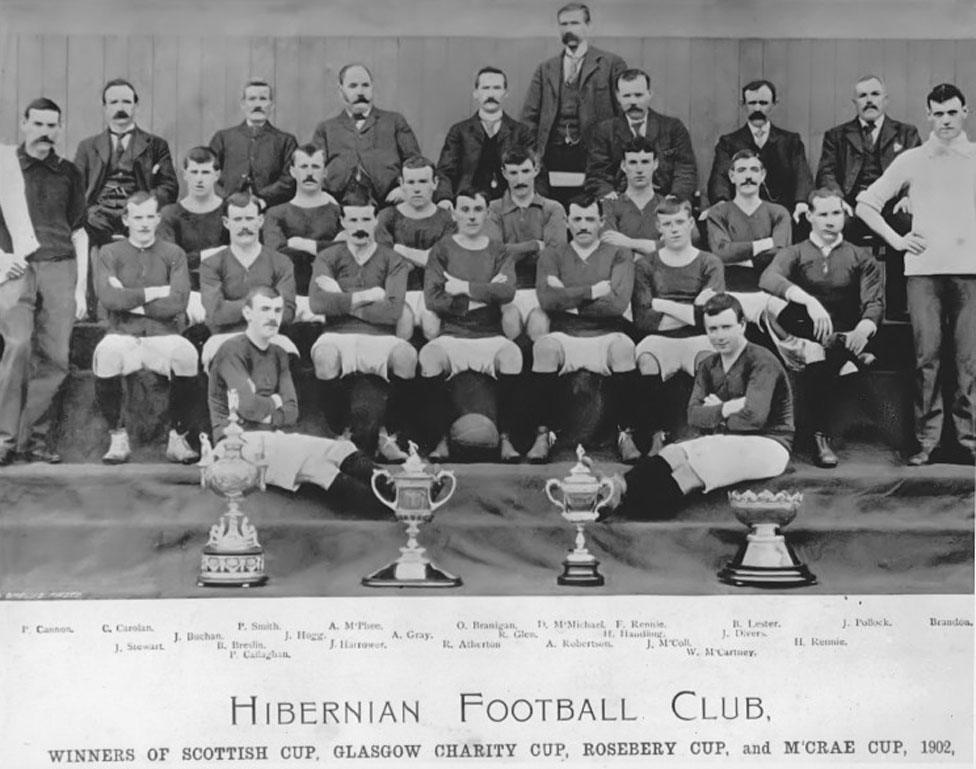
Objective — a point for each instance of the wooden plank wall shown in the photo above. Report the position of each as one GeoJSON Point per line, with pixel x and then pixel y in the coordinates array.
{"type": "Point", "coordinates": [189, 86]}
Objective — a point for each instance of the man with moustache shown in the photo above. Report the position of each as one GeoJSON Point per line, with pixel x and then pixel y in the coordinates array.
{"type": "Point", "coordinates": [788, 179]}
{"type": "Point", "coordinates": [471, 158]}
{"type": "Point", "coordinates": [43, 294]}
{"type": "Point", "coordinates": [257, 370]}
{"type": "Point", "coordinates": [120, 161]}
{"type": "Point", "coordinates": [676, 172]}
{"type": "Point", "coordinates": [747, 231]}
{"type": "Point", "coordinates": [939, 264]}
{"type": "Point", "coordinates": [143, 284]}
{"type": "Point", "coordinates": [742, 406]}
{"type": "Point", "coordinates": [467, 281]}
{"type": "Point", "coordinates": [254, 155]}
{"type": "Point", "coordinates": [359, 287]}
{"type": "Point", "coordinates": [305, 225]}
{"type": "Point", "coordinates": [228, 274]}
{"type": "Point", "coordinates": [835, 295]}
{"type": "Point", "coordinates": [584, 289]}
{"type": "Point", "coordinates": [364, 146]}
{"type": "Point", "coordinates": [411, 228]}
{"type": "Point", "coordinates": [630, 220]}
{"type": "Point", "coordinates": [568, 95]}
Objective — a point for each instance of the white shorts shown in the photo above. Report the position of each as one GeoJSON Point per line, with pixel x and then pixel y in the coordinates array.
{"type": "Point", "coordinates": [194, 309]}
{"type": "Point", "coordinates": [121, 354]}
{"type": "Point", "coordinates": [471, 354]}
{"type": "Point", "coordinates": [674, 355]}
{"type": "Point", "coordinates": [525, 301]}
{"type": "Point", "coordinates": [294, 458]}
{"type": "Point", "coordinates": [214, 343]}
{"type": "Point", "coordinates": [415, 301]}
{"type": "Point", "coordinates": [755, 302]}
{"type": "Point", "coordinates": [589, 353]}
{"type": "Point", "coordinates": [797, 353]}
{"type": "Point", "coordinates": [723, 460]}
{"type": "Point", "coordinates": [361, 353]}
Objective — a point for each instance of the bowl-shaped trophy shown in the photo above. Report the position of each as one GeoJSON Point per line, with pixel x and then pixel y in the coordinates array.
{"type": "Point", "coordinates": [232, 557]}
{"type": "Point", "coordinates": [766, 558]}
{"type": "Point", "coordinates": [414, 505]}
{"type": "Point", "coordinates": [583, 494]}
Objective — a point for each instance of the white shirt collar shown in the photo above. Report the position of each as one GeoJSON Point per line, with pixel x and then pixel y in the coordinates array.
{"type": "Point", "coordinates": [581, 50]}
{"type": "Point", "coordinates": [356, 119]}
{"type": "Point", "coordinates": [760, 132]}
{"type": "Point", "coordinates": [825, 248]}
{"type": "Point", "coordinates": [584, 254]}
{"type": "Point", "coordinates": [877, 123]}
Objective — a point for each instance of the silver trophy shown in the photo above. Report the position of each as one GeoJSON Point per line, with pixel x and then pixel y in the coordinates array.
{"type": "Point", "coordinates": [582, 497]}
{"type": "Point", "coordinates": [766, 559]}
{"type": "Point", "coordinates": [413, 505]}
{"type": "Point", "coordinates": [232, 557]}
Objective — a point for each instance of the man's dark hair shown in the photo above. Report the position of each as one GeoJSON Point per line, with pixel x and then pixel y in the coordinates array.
{"type": "Point", "coordinates": [356, 199]}
{"type": "Point", "coordinates": [139, 197]}
{"type": "Point", "coordinates": [824, 193]}
{"type": "Point", "coordinates": [755, 85]}
{"type": "Point", "coordinates": [517, 155]}
{"type": "Point", "coordinates": [746, 154]}
{"type": "Point", "coordinates": [585, 201]}
{"type": "Point", "coordinates": [306, 149]}
{"type": "Point", "coordinates": [472, 192]}
{"type": "Point", "coordinates": [574, 7]}
{"type": "Point", "coordinates": [241, 200]}
{"type": "Point", "coordinates": [416, 162]}
{"type": "Point", "coordinates": [672, 205]}
{"type": "Point", "coordinates": [201, 155]}
{"type": "Point", "coordinates": [123, 82]}
{"type": "Point", "coordinates": [347, 67]}
{"type": "Point", "coordinates": [942, 93]}
{"type": "Point", "coordinates": [268, 292]}
{"type": "Point", "coordinates": [719, 303]}
{"type": "Point", "coordinates": [42, 103]}
{"type": "Point", "coordinates": [633, 74]}
{"type": "Point", "coordinates": [490, 71]}
{"type": "Point", "coordinates": [641, 144]}
{"type": "Point", "coordinates": [259, 82]}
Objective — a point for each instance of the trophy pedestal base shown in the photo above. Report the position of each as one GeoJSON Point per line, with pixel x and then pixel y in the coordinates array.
{"type": "Point", "coordinates": [244, 569]}
{"type": "Point", "coordinates": [580, 574]}
{"type": "Point", "coordinates": [740, 575]}
{"type": "Point", "coordinates": [398, 574]}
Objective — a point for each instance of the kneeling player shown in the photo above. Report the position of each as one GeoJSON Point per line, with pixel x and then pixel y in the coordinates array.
{"type": "Point", "coordinates": [584, 289]}
{"type": "Point", "coordinates": [144, 285]}
{"type": "Point", "coordinates": [258, 372]}
{"type": "Point", "coordinates": [468, 278]}
{"type": "Point", "coordinates": [359, 286]}
{"type": "Point", "coordinates": [741, 403]}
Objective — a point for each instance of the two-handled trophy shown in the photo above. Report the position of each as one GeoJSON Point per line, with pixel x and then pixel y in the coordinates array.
{"type": "Point", "coordinates": [583, 494]}
{"type": "Point", "coordinates": [413, 505]}
{"type": "Point", "coordinates": [766, 559]}
{"type": "Point", "coordinates": [232, 557]}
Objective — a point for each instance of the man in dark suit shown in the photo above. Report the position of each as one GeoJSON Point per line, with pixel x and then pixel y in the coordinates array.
{"type": "Point", "coordinates": [472, 155]}
{"type": "Point", "coordinates": [569, 94]}
{"type": "Point", "coordinates": [676, 172]}
{"type": "Point", "coordinates": [788, 178]}
{"type": "Point", "coordinates": [364, 146]}
{"type": "Point", "coordinates": [254, 156]}
{"type": "Point", "coordinates": [120, 161]}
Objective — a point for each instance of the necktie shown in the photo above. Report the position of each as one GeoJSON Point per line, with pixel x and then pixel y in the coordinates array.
{"type": "Point", "coordinates": [760, 139]}
{"type": "Point", "coordinates": [573, 68]}
{"type": "Point", "coordinates": [869, 135]}
{"type": "Point", "coordinates": [635, 128]}
{"type": "Point", "coordinates": [120, 143]}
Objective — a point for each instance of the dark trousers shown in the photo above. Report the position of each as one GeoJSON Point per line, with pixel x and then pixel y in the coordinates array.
{"type": "Point", "coordinates": [37, 312]}
{"type": "Point", "coordinates": [943, 311]}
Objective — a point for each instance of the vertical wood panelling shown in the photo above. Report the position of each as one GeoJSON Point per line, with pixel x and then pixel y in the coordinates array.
{"type": "Point", "coordinates": [189, 101]}
{"type": "Point", "coordinates": [140, 71]}
{"type": "Point", "coordinates": [83, 107]}
{"type": "Point", "coordinates": [8, 87]}
{"type": "Point", "coordinates": [236, 72]}
{"type": "Point", "coordinates": [213, 88]}
{"type": "Point", "coordinates": [166, 112]}
{"type": "Point", "coordinates": [30, 74]}
{"type": "Point", "coordinates": [822, 115]}
{"type": "Point", "coordinates": [287, 83]}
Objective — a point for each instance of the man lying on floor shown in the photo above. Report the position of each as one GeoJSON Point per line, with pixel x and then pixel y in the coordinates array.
{"type": "Point", "coordinates": [258, 370]}
{"type": "Point", "coordinates": [741, 403]}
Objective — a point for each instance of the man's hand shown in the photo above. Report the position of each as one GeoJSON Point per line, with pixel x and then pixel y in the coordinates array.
{"type": "Point", "coordinates": [328, 285]}
{"type": "Point", "coordinates": [600, 289]}
{"type": "Point", "coordinates": [395, 195]}
{"type": "Point", "coordinates": [341, 236]}
{"type": "Point", "coordinates": [152, 292]}
{"type": "Point", "coordinates": [277, 401]}
{"type": "Point", "coordinates": [703, 216]}
{"type": "Point", "coordinates": [370, 295]}
{"type": "Point", "coordinates": [12, 267]}
{"type": "Point", "coordinates": [913, 243]}
{"type": "Point", "coordinates": [847, 208]}
{"type": "Point", "coordinates": [712, 400]}
{"type": "Point", "coordinates": [553, 281]}
{"type": "Point", "coordinates": [446, 204]}
{"type": "Point", "coordinates": [733, 406]}
{"type": "Point", "coordinates": [704, 295]}
{"type": "Point", "coordinates": [903, 206]}
{"type": "Point", "coordinates": [823, 326]}
{"type": "Point", "coordinates": [857, 340]}
{"type": "Point", "coordinates": [762, 245]}
{"type": "Point", "coordinates": [800, 210]}
{"type": "Point", "coordinates": [307, 245]}
{"type": "Point", "coordinates": [81, 303]}
{"type": "Point", "coordinates": [455, 286]}
{"type": "Point", "coordinates": [541, 245]}
{"type": "Point", "coordinates": [618, 239]}
{"type": "Point", "coordinates": [500, 278]}
{"type": "Point", "coordinates": [115, 282]}
{"type": "Point", "coordinates": [612, 195]}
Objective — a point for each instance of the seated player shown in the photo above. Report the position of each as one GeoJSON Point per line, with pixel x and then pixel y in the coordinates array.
{"type": "Point", "coordinates": [359, 286]}
{"type": "Point", "coordinates": [411, 228]}
{"type": "Point", "coordinates": [836, 300]}
{"type": "Point", "coordinates": [467, 280]}
{"type": "Point", "coordinates": [629, 219]}
{"type": "Point", "coordinates": [257, 370]}
{"type": "Point", "coordinates": [227, 275]}
{"type": "Point", "coordinates": [526, 223]}
{"type": "Point", "coordinates": [584, 288]}
{"type": "Point", "coordinates": [306, 224]}
{"type": "Point", "coordinates": [747, 231]}
{"type": "Point", "coordinates": [742, 404]}
{"type": "Point", "coordinates": [143, 284]}
{"type": "Point", "coordinates": [670, 288]}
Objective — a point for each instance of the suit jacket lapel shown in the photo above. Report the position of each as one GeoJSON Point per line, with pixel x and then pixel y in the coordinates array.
{"type": "Point", "coordinates": [889, 132]}
{"type": "Point", "coordinates": [138, 143]}
{"type": "Point", "coordinates": [554, 72]}
{"type": "Point", "coordinates": [591, 64]}
{"type": "Point", "coordinates": [103, 146]}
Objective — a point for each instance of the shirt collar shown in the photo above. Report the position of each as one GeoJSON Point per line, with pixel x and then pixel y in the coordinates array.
{"type": "Point", "coordinates": [581, 50]}
{"type": "Point", "coordinates": [52, 160]}
{"type": "Point", "coordinates": [760, 132]}
{"type": "Point", "coordinates": [355, 119]}
{"type": "Point", "coordinates": [877, 123]}
{"type": "Point", "coordinates": [958, 146]}
{"type": "Point", "coordinates": [488, 119]}
{"type": "Point", "coordinates": [584, 254]}
{"type": "Point", "coordinates": [256, 126]}
{"type": "Point", "coordinates": [511, 205]}
{"type": "Point", "coordinates": [825, 248]}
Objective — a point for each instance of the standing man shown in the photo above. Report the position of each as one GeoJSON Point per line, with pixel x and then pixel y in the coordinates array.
{"type": "Point", "coordinates": [939, 263]}
{"type": "Point", "coordinates": [364, 145]}
{"type": "Point", "coordinates": [676, 173]}
{"type": "Point", "coordinates": [40, 296]}
{"type": "Point", "coordinates": [788, 179]}
{"type": "Point", "coordinates": [120, 161]}
{"type": "Point", "coordinates": [472, 155]}
{"type": "Point", "coordinates": [254, 156]}
{"type": "Point", "coordinates": [569, 94]}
